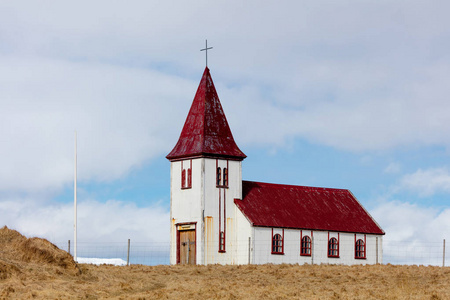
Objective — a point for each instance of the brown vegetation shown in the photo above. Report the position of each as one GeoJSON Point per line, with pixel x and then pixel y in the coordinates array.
{"type": "Point", "coordinates": [35, 268]}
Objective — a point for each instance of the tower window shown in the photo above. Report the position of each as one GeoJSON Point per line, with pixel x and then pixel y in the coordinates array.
{"type": "Point", "coordinates": [306, 246]}
{"type": "Point", "coordinates": [221, 174]}
{"type": "Point", "coordinates": [189, 177]}
{"type": "Point", "coordinates": [218, 176]}
{"type": "Point", "coordinates": [183, 178]}
{"type": "Point", "coordinates": [186, 176]}
{"type": "Point", "coordinates": [225, 176]}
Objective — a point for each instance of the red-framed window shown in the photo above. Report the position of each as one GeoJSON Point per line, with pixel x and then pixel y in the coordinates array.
{"type": "Point", "coordinates": [218, 176]}
{"type": "Point", "coordinates": [306, 246]}
{"type": "Point", "coordinates": [189, 177]}
{"type": "Point", "coordinates": [221, 175]}
{"type": "Point", "coordinates": [360, 248]}
{"type": "Point", "coordinates": [277, 243]}
{"type": "Point", "coordinates": [186, 179]}
{"type": "Point", "coordinates": [225, 177]}
{"type": "Point", "coordinates": [333, 247]}
{"type": "Point", "coordinates": [222, 241]}
{"type": "Point", "coordinates": [183, 178]}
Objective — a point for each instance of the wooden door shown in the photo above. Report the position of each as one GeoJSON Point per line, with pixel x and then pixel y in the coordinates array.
{"type": "Point", "coordinates": [187, 247]}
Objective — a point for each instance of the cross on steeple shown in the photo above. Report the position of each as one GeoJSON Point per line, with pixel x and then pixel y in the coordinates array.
{"type": "Point", "coordinates": [206, 50]}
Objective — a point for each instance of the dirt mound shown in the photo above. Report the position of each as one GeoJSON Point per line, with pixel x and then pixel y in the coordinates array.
{"type": "Point", "coordinates": [17, 250]}
{"type": "Point", "coordinates": [42, 251]}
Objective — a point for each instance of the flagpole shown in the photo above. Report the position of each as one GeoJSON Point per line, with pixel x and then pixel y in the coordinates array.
{"type": "Point", "coordinates": [75, 203]}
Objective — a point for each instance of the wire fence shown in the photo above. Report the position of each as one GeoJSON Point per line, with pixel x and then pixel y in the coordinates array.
{"type": "Point", "coordinates": [150, 253]}
{"type": "Point", "coordinates": [416, 253]}
{"type": "Point", "coordinates": [143, 253]}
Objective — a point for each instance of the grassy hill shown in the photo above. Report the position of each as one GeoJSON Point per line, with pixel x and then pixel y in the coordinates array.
{"type": "Point", "coordinates": [35, 268]}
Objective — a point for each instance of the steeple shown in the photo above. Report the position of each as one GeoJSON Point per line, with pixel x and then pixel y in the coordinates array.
{"type": "Point", "coordinates": [206, 132]}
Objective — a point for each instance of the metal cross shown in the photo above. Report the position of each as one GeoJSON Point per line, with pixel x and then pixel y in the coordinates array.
{"type": "Point", "coordinates": [206, 50]}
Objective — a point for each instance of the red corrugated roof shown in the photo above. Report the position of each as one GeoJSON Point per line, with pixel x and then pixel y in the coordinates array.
{"type": "Point", "coordinates": [290, 206]}
{"type": "Point", "coordinates": [206, 131]}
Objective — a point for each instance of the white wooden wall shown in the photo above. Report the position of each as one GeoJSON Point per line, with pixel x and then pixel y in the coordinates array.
{"type": "Point", "coordinates": [263, 243]}
{"type": "Point", "coordinates": [201, 204]}
{"type": "Point", "coordinates": [185, 204]}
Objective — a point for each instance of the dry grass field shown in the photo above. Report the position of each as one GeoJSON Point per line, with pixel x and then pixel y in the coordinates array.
{"type": "Point", "coordinates": [35, 268]}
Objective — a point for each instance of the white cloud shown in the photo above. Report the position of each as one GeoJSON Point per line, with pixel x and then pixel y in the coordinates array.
{"type": "Point", "coordinates": [406, 222]}
{"type": "Point", "coordinates": [426, 182]}
{"type": "Point", "coordinates": [113, 221]}
{"type": "Point", "coordinates": [414, 234]}
{"type": "Point", "coordinates": [123, 117]}
{"type": "Point", "coordinates": [392, 168]}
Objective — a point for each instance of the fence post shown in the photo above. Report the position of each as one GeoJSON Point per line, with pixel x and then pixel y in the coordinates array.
{"type": "Point", "coordinates": [68, 246]}
{"type": "Point", "coordinates": [376, 247]}
{"type": "Point", "coordinates": [249, 248]}
{"type": "Point", "coordinates": [128, 253]}
{"type": "Point", "coordinates": [443, 255]}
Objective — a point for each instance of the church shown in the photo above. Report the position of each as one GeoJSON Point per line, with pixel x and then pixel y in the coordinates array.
{"type": "Point", "coordinates": [218, 218]}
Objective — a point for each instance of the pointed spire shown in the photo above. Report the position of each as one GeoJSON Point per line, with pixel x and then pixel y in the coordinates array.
{"type": "Point", "coordinates": [206, 132]}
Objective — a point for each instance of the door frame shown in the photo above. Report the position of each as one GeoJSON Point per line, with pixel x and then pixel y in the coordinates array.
{"type": "Point", "coordinates": [192, 226]}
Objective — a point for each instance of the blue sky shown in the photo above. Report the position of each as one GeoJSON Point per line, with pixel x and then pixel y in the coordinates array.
{"type": "Point", "coordinates": [348, 94]}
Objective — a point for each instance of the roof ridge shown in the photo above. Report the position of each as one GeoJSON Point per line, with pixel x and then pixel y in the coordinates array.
{"type": "Point", "coordinates": [295, 186]}
{"type": "Point", "coordinates": [205, 83]}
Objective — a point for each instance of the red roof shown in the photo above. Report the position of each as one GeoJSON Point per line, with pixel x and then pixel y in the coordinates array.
{"type": "Point", "coordinates": [301, 207]}
{"type": "Point", "coordinates": [206, 132]}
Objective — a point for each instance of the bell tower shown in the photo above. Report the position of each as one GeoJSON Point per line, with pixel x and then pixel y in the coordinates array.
{"type": "Point", "coordinates": [205, 178]}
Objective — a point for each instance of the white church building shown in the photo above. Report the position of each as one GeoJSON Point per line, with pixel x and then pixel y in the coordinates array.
{"type": "Point", "coordinates": [217, 218]}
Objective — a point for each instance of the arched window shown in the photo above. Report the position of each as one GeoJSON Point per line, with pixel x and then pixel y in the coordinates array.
{"type": "Point", "coordinates": [333, 247]}
{"type": "Point", "coordinates": [360, 249]}
{"type": "Point", "coordinates": [225, 176]}
{"type": "Point", "coordinates": [306, 246]}
{"type": "Point", "coordinates": [183, 178]}
{"type": "Point", "coordinates": [218, 177]}
{"type": "Point", "coordinates": [277, 244]}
